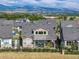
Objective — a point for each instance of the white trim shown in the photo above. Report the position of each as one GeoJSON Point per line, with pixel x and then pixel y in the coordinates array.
{"type": "Point", "coordinates": [65, 43]}
{"type": "Point", "coordinates": [39, 31]}
{"type": "Point", "coordinates": [27, 42]}
{"type": "Point", "coordinates": [8, 41]}
{"type": "Point", "coordinates": [78, 45]}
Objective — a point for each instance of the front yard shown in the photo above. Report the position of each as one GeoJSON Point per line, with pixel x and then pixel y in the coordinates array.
{"type": "Point", "coordinates": [35, 55]}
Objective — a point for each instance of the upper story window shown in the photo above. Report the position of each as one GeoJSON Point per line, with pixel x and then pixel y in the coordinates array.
{"type": "Point", "coordinates": [40, 32]}
{"type": "Point", "coordinates": [36, 32]}
{"type": "Point", "coordinates": [44, 32]}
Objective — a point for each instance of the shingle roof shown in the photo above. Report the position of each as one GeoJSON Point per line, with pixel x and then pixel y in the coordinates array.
{"type": "Point", "coordinates": [27, 30]}
{"type": "Point", "coordinates": [74, 23]}
{"type": "Point", "coordinates": [44, 24]}
{"type": "Point", "coordinates": [70, 30]}
{"type": "Point", "coordinates": [27, 27]}
{"type": "Point", "coordinates": [20, 22]}
{"type": "Point", "coordinates": [6, 28]}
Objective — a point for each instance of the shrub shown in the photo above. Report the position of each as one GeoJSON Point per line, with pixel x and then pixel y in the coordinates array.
{"type": "Point", "coordinates": [72, 52]}
{"type": "Point", "coordinates": [29, 50]}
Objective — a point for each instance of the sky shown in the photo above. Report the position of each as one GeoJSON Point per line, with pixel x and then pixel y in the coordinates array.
{"type": "Point", "coordinates": [46, 3]}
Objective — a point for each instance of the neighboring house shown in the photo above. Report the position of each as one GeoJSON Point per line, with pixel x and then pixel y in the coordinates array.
{"type": "Point", "coordinates": [71, 34]}
{"type": "Point", "coordinates": [6, 33]}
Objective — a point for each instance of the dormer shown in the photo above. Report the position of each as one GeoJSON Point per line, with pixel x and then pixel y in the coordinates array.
{"type": "Point", "coordinates": [40, 31]}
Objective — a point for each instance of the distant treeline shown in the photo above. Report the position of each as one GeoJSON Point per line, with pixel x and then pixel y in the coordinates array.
{"type": "Point", "coordinates": [14, 16]}
{"type": "Point", "coordinates": [35, 16]}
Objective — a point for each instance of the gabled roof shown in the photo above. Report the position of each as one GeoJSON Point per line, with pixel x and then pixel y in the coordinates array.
{"type": "Point", "coordinates": [44, 24]}
{"type": "Point", "coordinates": [6, 22]}
{"type": "Point", "coordinates": [70, 30]}
{"type": "Point", "coordinates": [6, 28]}
{"type": "Point", "coordinates": [27, 27]}
{"type": "Point", "coordinates": [27, 30]}
{"type": "Point", "coordinates": [74, 23]}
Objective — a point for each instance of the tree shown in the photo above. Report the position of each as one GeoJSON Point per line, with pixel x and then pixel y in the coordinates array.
{"type": "Point", "coordinates": [72, 18]}
{"type": "Point", "coordinates": [49, 44]}
{"type": "Point", "coordinates": [14, 16]}
{"type": "Point", "coordinates": [59, 34]}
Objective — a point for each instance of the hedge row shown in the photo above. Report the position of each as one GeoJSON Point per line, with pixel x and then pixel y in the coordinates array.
{"type": "Point", "coordinates": [72, 52]}
{"type": "Point", "coordinates": [29, 50]}
{"type": "Point", "coordinates": [40, 50]}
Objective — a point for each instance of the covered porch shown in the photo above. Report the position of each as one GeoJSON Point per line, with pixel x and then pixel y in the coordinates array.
{"type": "Point", "coordinates": [44, 44]}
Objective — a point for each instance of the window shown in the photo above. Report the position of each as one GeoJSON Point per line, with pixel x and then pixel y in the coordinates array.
{"type": "Point", "coordinates": [69, 42]}
{"type": "Point", "coordinates": [36, 32]}
{"type": "Point", "coordinates": [24, 20]}
{"type": "Point", "coordinates": [44, 32]}
{"type": "Point", "coordinates": [5, 42]}
{"type": "Point", "coordinates": [39, 43]}
{"type": "Point", "coordinates": [40, 32]}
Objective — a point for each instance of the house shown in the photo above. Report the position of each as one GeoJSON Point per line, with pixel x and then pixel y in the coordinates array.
{"type": "Point", "coordinates": [6, 33]}
{"type": "Point", "coordinates": [27, 34]}
{"type": "Point", "coordinates": [71, 34]}
{"type": "Point", "coordinates": [39, 33]}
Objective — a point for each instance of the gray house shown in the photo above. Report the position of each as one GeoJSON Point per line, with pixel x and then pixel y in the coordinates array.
{"type": "Point", "coordinates": [39, 34]}
{"type": "Point", "coordinates": [33, 34]}
{"type": "Point", "coordinates": [6, 33]}
{"type": "Point", "coordinates": [71, 33]}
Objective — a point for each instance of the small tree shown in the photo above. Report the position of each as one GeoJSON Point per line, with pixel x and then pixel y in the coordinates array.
{"type": "Point", "coordinates": [49, 44]}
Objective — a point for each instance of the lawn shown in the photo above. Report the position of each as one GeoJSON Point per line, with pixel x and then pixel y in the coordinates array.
{"type": "Point", "coordinates": [32, 55]}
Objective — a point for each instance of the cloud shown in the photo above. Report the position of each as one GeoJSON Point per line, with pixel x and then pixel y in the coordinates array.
{"type": "Point", "coordinates": [72, 5]}
{"type": "Point", "coordinates": [8, 2]}
{"type": "Point", "coordinates": [46, 3]}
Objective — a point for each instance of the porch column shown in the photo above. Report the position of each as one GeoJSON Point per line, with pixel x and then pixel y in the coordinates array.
{"type": "Point", "coordinates": [53, 41]}
{"type": "Point", "coordinates": [34, 45]}
{"type": "Point", "coordinates": [65, 43]}
{"type": "Point", "coordinates": [78, 45]}
{"type": "Point", "coordinates": [44, 45]}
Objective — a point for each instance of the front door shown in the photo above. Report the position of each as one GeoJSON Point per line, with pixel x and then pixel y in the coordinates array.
{"type": "Point", "coordinates": [39, 43]}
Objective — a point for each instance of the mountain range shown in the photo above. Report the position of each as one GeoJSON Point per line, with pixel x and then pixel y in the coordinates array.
{"type": "Point", "coordinates": [41, 9]}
